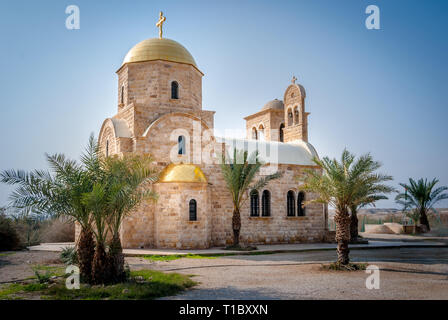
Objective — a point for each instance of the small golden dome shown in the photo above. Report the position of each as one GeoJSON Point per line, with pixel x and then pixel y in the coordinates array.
{"type": "Point", "coordinates": [182, 173]}
{"type": "Point", "coordinates": [159, 49]}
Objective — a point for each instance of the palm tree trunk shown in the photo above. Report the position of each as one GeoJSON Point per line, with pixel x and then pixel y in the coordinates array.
{"type": "Point", "coordinates": [100, 272]}
{"type": "Point", "coordinates": [86, 251]}
{"type": "Point", "coordinates": [342, 220]}
{"type": "Point", "coordinates": [116, 260]}
{"type": "Point", "coordinates": [236, 226]}
{"type": "Point", "coordinates": [353, 225]}
{"type": "Point", "coordinates": [424, 219]}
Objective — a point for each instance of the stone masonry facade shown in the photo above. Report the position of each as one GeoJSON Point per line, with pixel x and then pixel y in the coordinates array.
{"type": "Point", "coordinates": [150, 120]}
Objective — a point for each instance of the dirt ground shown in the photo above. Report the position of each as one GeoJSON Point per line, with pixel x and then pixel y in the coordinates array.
{"type": "Point", "coordinates": [18, 265]}
{"type": "Point", "coordinates": [420, 273]}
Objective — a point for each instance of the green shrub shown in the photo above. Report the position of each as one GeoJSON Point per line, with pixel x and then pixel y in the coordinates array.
{"type": "Point", "coordinates": [69, 255]}
{"type": "Point", "coordinates": [9, 239]}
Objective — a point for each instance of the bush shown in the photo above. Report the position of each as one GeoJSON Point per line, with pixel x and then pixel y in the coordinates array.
{"type": "Point", "coordinates": [58, 230]}
{"type": "Point", "coordinates": [9, 239]}
{"type": "Point", "coordinates": [69, 255]}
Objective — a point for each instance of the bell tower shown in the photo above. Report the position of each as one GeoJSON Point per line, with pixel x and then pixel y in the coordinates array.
{"type": "Point", "coordinates": [296, 118]}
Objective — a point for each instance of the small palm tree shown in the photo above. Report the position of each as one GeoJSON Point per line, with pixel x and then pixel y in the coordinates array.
{"type": "Point", "coordinates": [129, 180]}
{"type": "Point", "coordinates": [422, 196]}
{"type": "Point", "coordinates": [57, 193]}
{"type": "Point", "coordinates": [239, 174]}
{"type": "Point", "coordinates": [414, 215]}
{"type": "Point", "coordinates": [369, 189]}
{"type": "Point", "coordinates": [341, 185]}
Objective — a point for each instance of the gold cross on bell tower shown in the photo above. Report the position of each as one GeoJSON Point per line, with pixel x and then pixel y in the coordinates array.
{"type": "Point", "coordinates": [294, 79]}
{"type": "Point", "coordinates": [159, 23]}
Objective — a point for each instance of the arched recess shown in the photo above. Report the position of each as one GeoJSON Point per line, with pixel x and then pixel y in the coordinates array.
{"type": "Point", "coordinates": [289, 117]}
{"type": "Point", "coordinates": [110, 131]}
{"type": "Point", "coordinates": [254, 133]}
{"type": "Point", "coordinates": [281, 134]}
{"type": "Point", "coordinates": [290, 204]}
{"type": "Point", "coordinates": [254, 204]}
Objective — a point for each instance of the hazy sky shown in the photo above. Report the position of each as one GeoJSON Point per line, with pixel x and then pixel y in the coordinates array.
{"type": "Point", "coordinates": [379, 91]}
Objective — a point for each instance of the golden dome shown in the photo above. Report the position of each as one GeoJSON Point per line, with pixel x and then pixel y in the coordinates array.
{"type": "Point", "coordinates": [182, 173]}
{"type": "Point", "coordinates": [159, 49]}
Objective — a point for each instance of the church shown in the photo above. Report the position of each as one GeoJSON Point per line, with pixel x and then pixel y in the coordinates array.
{"type": "Point", "coordinates": [159, 113]}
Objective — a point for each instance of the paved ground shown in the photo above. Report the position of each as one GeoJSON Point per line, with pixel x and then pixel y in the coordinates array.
{"type": "Point", "coordinates": [408, 273]}
{"type": "Point", "coordinates": [377, 243]}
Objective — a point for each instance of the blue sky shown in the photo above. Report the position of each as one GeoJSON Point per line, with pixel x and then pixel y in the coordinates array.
{"type": "Point", "coordinates": [379, 91]}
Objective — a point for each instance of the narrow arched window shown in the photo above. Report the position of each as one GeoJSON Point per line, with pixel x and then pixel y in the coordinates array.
{"type": "Point", "coordinates": [261, 132]}
{"type": "Point", "coordinates": [174, 90]}
{"type": "Point", "coordinates": [290, 204]}
{"type": "Point", "coordinates": [254, 133]}
{"type": "Point", "coordinates": [296, 115]}
{"type": "Point", "coordinates": [122, 95]}
{"type": "Point", "coordinates": [300, 204]}
{"type": "Point", "coordinates": [193, 210]}
{"type": "Point", "coordinates": [254, 204]}
{"type": "Point", "coordinates": [290, 118]}
{"type": "Point", "coordinates": [282, 126]}
{"type": "Point", "coordinates": [107, 148]}
{"type": "Point", "coordinates": [181, 145]}
{"type": "Point", "coordinates": [266, 203]}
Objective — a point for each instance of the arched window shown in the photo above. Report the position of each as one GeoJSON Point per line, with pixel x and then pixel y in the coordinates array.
{"type": "Point", "coordinates": [261, 132]}
{"type": "Point", "coordinates": [266, 203]}
{"type": "Point", "coordinates": [290, 204]}
{"type": "Point", "coordinates": [181, 145]}
{"type": "Point", "coordinates": [107, 148]}
{"type": "Point", "coordinates": [174, 90]}
{"type": "Point", "coordinates": [296, 115]}
{"type": "Point", "coordinates": [193, 210]}
{"type": "Point", "coordinates": [254, 133]}
{"type": "Point", "coordinates": [122, 95]}
{"type": "Point", "coordinates": [282, 126]}
{"type": "Point", "coordinates": [300, 201]}
{"type": "Point", "coordinates": [254, 204]}
{"type": "Point", "coordinates": [290, 117]}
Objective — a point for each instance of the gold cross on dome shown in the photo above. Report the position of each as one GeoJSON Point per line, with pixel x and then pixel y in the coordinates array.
{"type": "Point", "coordinates": [159, 23]}
{"type": "Point", "coordinates": [294, 79]}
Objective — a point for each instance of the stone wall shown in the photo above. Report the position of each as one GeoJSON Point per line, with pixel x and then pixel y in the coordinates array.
{"type": "Point", "coordinates": [147, 91]}
{"type": "Point", "coordinates": [270, 120]}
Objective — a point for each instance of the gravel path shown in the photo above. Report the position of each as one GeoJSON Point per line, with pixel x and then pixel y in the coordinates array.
{"type": "Point", "coordinates": [405, 274]}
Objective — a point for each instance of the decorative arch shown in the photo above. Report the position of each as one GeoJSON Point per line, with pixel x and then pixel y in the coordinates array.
{"type": "Point", "coordinates": [154, 124]}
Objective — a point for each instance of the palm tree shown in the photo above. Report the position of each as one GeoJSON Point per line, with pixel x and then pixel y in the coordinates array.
{"type": "Point", "coordinates": [59, 193]}
{"type": "Point", "coordinates": [421, 196]}
{"type": "Point", "coordinates": [239, 174]}
{"type": "Point", "coordinates": [370, 188]}
{"type": "Point", "coordinates": [129, 179]}
{"type": "Point", "coordinates": [340, 185]}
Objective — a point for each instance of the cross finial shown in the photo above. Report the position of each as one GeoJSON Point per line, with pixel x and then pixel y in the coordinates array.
{"type": "Point", "coordinates": [294, 79]}
{"type": "Point", "coordinates": [159, 23]}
